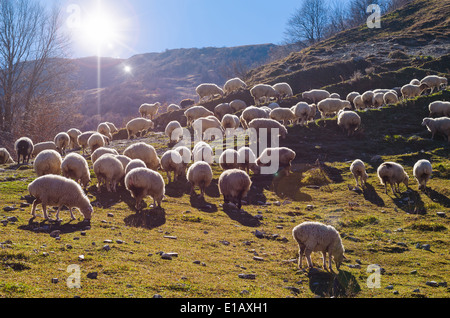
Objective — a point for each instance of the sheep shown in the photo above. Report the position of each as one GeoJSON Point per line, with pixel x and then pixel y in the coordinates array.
{"type": "Point", "coordinates": [96, 141]}
{"type": "Point", "coordinates": [234, 85]}
{"type": "Point", "coordinates": [123, 159]}
{"type": "Point", "coordinates": [73, 135]}
{"type": "Point", "coordinates": [24, 148]}
{"type": "Point", "coordinates": [149, 110]}
{"type": "Point", "coordinates": [133, 164]}
{"type": "Point", "coordinates": [103, 128]}
{"type": "Point", "coordinates": [358, 170]}
{"type": "Point", "coordinates": [195, 113]}
{"type": "Point", "coordinates": [200, 175]}
{"type": "Point", "coordinates": [75, 167]}
{"type": "Point", "coordinates": [422, 171]}
{"type": "Point", "coordinates": [210, 126]}
{"type": "Point", "coordinates": [203, 152]}
{"type": "Point", "coordinates": [251, 113]}
{"type": "Point", "coordinates": [41, 146]}
{"type": "Point", "coordinates": [378, 99]}
{"type": "Point", "coordinates": [139, 125]}
{"type": "Point", "coordinates": [411, 91]}
{"type": "Point", "coordinates": [230, 123]}
{"type": "Point", "coordinates": [173, 108]}
{"type": "Point", "coordinates": [188, 102]}
{"type": "Point", "coordinates": [222, 109]}
{"type": "Point", "coordinates": [5, 157]}
{"type": "Point", "coordinates": [59, 191]}
{"type": "Point", "coordinates": [62, 141]}
{"type": "Point", "coordinates": [335, 95]}
{"type": "Point", "coordinates": [142, 182]}
{"type": "Point", "coordinates": [434, 82]}
{"type": "Point", "coordinates": [316, 95]}
{"type": "Point", "coordinates": [439, 125]}
{"type": "Point", "coordinates": [174, 131]}
{"type": "Point", "coordinates": [101, 151]}
{"type": "Point", "coordinates": [259, 124]}
{"type": "Point", "coordinates": [331, 106]}
{"type": "Point", "coordinates": [47, 162]}
{"type": "Point", "coordinates": [109, 170]}
{"type": "Point", "coordinates": [273, 106]}
{"type": "Point", "coordinates": [349, 121]}
{"type": "Point", "coordinates": [234, 185]}
{"type": "Point", "coordinates": [285, 115]}
{"type": "Point", "coordinates": [247, 160]}
{"type": "Point", "coordinates": [237, 105]}
{"type": "Point", "coordinates": [394, 174]}
{"type": "Point", "coordinates": [145, 152]}
{"type": "Point", "coordinates": [359, 103]}
{"type": "Point", "coordinates": [283, 89]}
{"type": "Point", "coordinates": [351, 97]}
{"type": "Point", "coordinates": [315, 237]}
{"type": "Point", "coordinates": [390, 98]}
{"type": "Point", "coordinates": [171, 161]}
{"type": "Point", "coordinates": [283, 158]}
{"type": "Point", "coordinates": [208, 91]}
{"type": "Point", "coordinates": [367, 99]}
{"type": "Point", "coordinates": [263, 91]}
{"type": "Point", "coordinates": [304, 112]}
{"type": "Point", "coordinates": [229, 159]}
{"type": "Point", "coordinates": [415, 81]}
{"type": "Point", "coordinates": [83, 138]}
{"type": "Point", "coordinates": [185, 153]}
{"type": "Point", "coordinates": [439, 109]}
{"type": "Point", "coordinates": [112, 128]}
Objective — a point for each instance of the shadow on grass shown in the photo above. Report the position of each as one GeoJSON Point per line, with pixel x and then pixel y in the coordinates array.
{"type": "Point", "coordinates": [147, 219]}
{"type": "Point", "coordinates": [372, 196]}
{"type": "Point", "coordinates": [201, 204]}
{"type": "Point", "coordinates": [410, 202]}
{"type": "Point", "coordinates": [437, 197]}
{"type": "Point", "coordinates": [326, 284]}
{"type": "Point", "coordinates": [49, 226]}
{"type": "Point", "coordinates": [240, 216]}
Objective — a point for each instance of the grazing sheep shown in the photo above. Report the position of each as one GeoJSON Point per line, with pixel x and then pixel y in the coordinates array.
{"type": "Point", "coordinates": [351, 97]}
{"type": "Point", "coordinates": [149, 110]}
{"type": "Point", "coordinates": [359, 103]}
{"type": "Point", "coordinates": [262, 93]}
{"type": "Point", "coordinates": [39, 147]}
{"type": "Point", "coordinates": [103, 128]}
{"type": "Point", "coordinates": [229, 159]}
{"type": "Point", "coordinates": [411, 91]}
{"type": "Point", "coordinates": [319, 237]}
{"type": "Point", "coordinates": [273, 106]}
{"type": "Point", "coordinates": [234, 185]}
{"type": "Point", "coordinates": [142, 182]}
{"type": "Point", "coordinates": [173, 108]}
{"type": "Point", "coordinates": [439, 109]}
{"type": "Point", "coordinates": [75, 167]}
{"type": "Point", "coordinates": [237, 105]}
{"type": "Point", "coordinates": [96, 141]}
{"type": "Point", "coordinates": [378, 99]}
{"type": "Point", "coordinates": [171, 161]}
{"type": "Point", "coordinates": [195, 113]}
{"type": "Point", "coordinates": [260, 124]}
{"type": "Point", "coordinates": [139, 125]}
{"type": "Point", "coordinates": [203, 152]}
{"type": "Point", "coordinates": [335, 95]}
{"type": "Point", "coordinates": [230, 123]}
{"type": "Point", "coordinates": [316, 95]}
{"type": "Point", "coordinates": [59, 191]}
{"type": "Point", "coordinates": [24, 148]}
{"type": "Point", "coordinates": [434, 82]}
{"type": "Point", "coordinates": [390, 98]}
{"type": "Point", "coordinates": [222, 109]}
{"type": "Point", "coordinates": [174, 131]}
{"type": "Point", "coordinates": [283, 158]}
{"type": "Point", "coordinates": [47, 162]}
{"type": "Point", "coordinates": [102, 151]}
{"type": "Point", "coordinates": [422, 171]}
{"type": "Point", "coordinates": [73, 135]}
{"type": "Point", "coordinates": [207, 128]}
{"type": "Point", "coordinates": [124, 160]}
{"type": "Point", "coordinates": [133, 164]}
{"type": "Point", "coordinates": [349, 121]}
{"type": "Point", "coordinates": [83, 140]}
{"type": "Point", "coordinates": [109, 171]}
{"type": "Point", "coordinates": [358, 170]}
{"type": "Point", "coordinates": [185, 153]}
{"type": "Point", "coordinates": [415, 82]}
{"type": "Point", "coordinates": [208, 91]}
{"type": "Point", "coordinates": [247, 160]}
{"type": "Point", "coordinates": [5, 157]}
{"type": "Point", "coordinates": [392, 173]}
{"type": "Point", "coordinates": [62, 141]}
{"type": "Point", "coordinates": [283, 89]}
{"type": "Point", "coordinates": [234, 85]}
{"type": "Point", "coordinates": [251, 113]}
{"type": "Point", "coordinates": [367, 99]}
{"type": "Point", "coordinates": [285, 115]}
{"type": "Point", "coordinates": [438, 126]}
{"type": "Point", "coordinates": [304, 112]}
{"type": "Point", "coordinates": [200, 175]}
{"type": "Point", "coordinates": [188, 102]}
{"type": "Point", "coordinates": [331, 106]}
{"type": "Point", "coordinates": [112, 128]}
{"type": "Point", "coordinates": [145, 152]}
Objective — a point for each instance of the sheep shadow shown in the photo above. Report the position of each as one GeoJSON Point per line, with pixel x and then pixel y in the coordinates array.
{"type": "Point", "coordinates": [49, 226]}
{"type": "Point", "coordinates": [147, 218]}
{"type": "Point", "coordinates": [328, 284]}
{"type": "Point", "coordinates": [176, 189]}
{"type": "Point", "coordinates": [411, 202]}
{"type": "Point", "coordinates": [201, 204]}
{"type": "Point", "coordinates": [241, 216]}
{"type": "Point", "coordinates": [105, 200]}
{"type": "Point", "coordinates": [437, 197]}
{"type": "Point", "coordinates": [290, 187]}
{"type": "Point", "coordinates": [371, 195]}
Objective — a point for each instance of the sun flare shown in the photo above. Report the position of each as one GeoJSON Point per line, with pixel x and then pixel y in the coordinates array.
{"type": "Point", "coordinates": [100, 31]}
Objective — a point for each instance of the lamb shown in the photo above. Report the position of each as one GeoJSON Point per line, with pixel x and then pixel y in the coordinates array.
{"type": "Point", "coordinates": [439, 109]}
{"type": "Point", "coordinates": [73, 135]}
{"type": "Point", "coordinates": [203, 152]}
{"type": "Point", "coordinates": [247, 160]}
{"type": "Point", "coordinates": [39, 147]}
{"type": "Point", "coordinates": [283, 156]}
{"type": "Point", "coordinates": [237, 105]}
{"type": "Point", "coordinates": [283, 89]}
{"type": "Point", "coordinates": [390, 98]}
{"type": "Point", "coordinates": [234, 185]}
{"type": "Point", "coordinates": [133, 164]}
{"type": "Point", "coordinates": [174, 131]}
{"type": "Point", "coordinates": [284, 115]}
{"type": "Point", "coordinates": [83, 140]}
{"type": "Point", "coordinates": [62, 141]}
{"type": "Point", "coordinates": [142, 182]}
{"type": "Point", "coordinates": [146, 153]}
{"type": "Point", "coordinates": [109, 171]}
{"type": "Point", "coordinates": [349, 121]}
{"type": "Point", "coordinates": [195, 113]}
{"type": "Point", "coordinates": [173, 108]}
{"type": "Point", "coordinates": [358, 170]}
{"type": "Point", "coordinates": [103, 128]}
{"type": "Point", "coordinates": [229, 159]}
{"type": "Point", "coordinates": [207, 127]}
{"type": "Point", "coordinates": [171, 161]}
{"type": "Point", "coordinates": [315, 237]}
{"type": "Point", "coordinates": [422, 171]}
{"type": "Point", "coordinates": [434, 82]}
{"type": "Point", "coordinates": [304, 112]}
{"type": "Point", "coordinates": [59, 191]}
{"type": "Point", "coordinates": [351, 97]}
{"type": "Point", "coordinates": [260, 124]}
{"type": "Point", "coordinates": [367, 99]}
{"type": "Point", "coordinates": [24, 148]}
{"type": "Point", "coordinates": [230, 123]}
{"type": "Point", "coordinates": [101, 151]}
{"type": "Point", "coordinates": [331, 106]}
{"type": "Point", "coordinates": [48, 162]}
{"type": "Point", "coordinates": [222, 109]}
{"type": "Point", "coordinates": [392, 173]}
{"type": "Point", "coordinates": [251, 113]}
{"type": "Point", "coordinates": [411, 91]}
{"type": "Point", "coordinates": [208, 91]}
{"type": "Point", "coordinates": [234, 85]}
{"type": "Point", "coordinates": [139, 125]}
{"type": "Point", "coordinates": [149, 110]}
{"type": "Point", "coordinates": [96, 141]}
{"type": "Point", "coordinates": [439, 125]}
{"type": "Point", "coordinates": [263, 92]}
{"type": "Point", "coordinates": [5, 157]}
{"type": "Point", "coordinates": [75, 167]}
{"type": "Point", "coordinates": [316, 95]}
{"type": "Point", "coordinates": [200, 175]}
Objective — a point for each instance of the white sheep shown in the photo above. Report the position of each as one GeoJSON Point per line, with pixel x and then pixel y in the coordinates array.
{"type": "Point", "coordinates": [53, 190]}
{"type": "Point", "coordinates": [41, 146]}
{"type": "Point", "coordinates": [133, 164]}
{"type": "Point", "coordinates": [434, 82]}
{"type": "Point", "coordinates": [102, 151]}
{"type": "Point", "coordinates": [359, 103]}
{"type": "Point", "coordinates": [174, 131]}
{"type": "Point", "coordinates": [112, 128]}
{"type": "Point", "coordinates": [200, 175]}
{"type": "Point", "coordinates": [349, 121]}
{"type": "Point", "coordinates": [24, 148]}
{"type": "Point", "coordinates": [439, 109]}
{"type": "Point", "coordinates": [367, 98]}
{"type": "Point", "coordinates": [139, 125]}
{"type": "Point", "coordinates": [316, 95]}
{"type": "Point", "coordinates": [145, 152]}
{"type": "Point", "coordinates": [173, 108]}
{"type": "Point", "coordinates": [230, 123]}
{"type": "Point", "coordinates": [62, 141]}
{"type": "Point", "coordinates": [222, 109]}
{"type": "Point", "coordinates": [234, 85]}
{"type": "Point", "coordinates": [392, 173]}
{"type": "Point", "coordinates": [284, 90]}
{"type": "Point", "coordinates": [378, 99]}
{"type": "Point", "coordinates": [422, 171]}
{"type": "Point", "coordinates": [195, 113]}
{"type": "Point", "coordinates": [251, 113]}
{"type": "Point", "coordinates": [415, 81]}
{"type": "Point", "coordinates": [438, 126]}
{"type": "Point", "coordinates": [203, 152]}
{"type": "Point", "coordinates": [268, 126]}
{"type": "Point", "coordinates": [234, 184]}
{"type": "Point", "coordinates": [272, 106]}
{"type": "Point", "coordinates": [319, 237]}
{"type": "Point", "coordinates": [149, 110]}
{"type": "Point", "coordinates": [96, 141]}
{"type": "Point", "coordinates": [73, 135]}
{"type": "Point", "coordinates": [238, 105]}
{"type": "Point", "coordinates": [5, 157]}
{"type": "Point", "coordinates": [411, 91]}
{"type": "Point", "coordinates": [229, 159]}
{"type": "Point", "coordinates": [390, 98]}
{"type": "Point", "coordinates": [207, 127]}
{"type": "Point", "coordinates": [262, 93]}
{"type": "Point", "coordinates": [304, 112]}
{"type": "Point", "coordinates": [280, 157]}
{"type": "Point", "coordinates": [75, 167]}
{"type": "Point", "coordinates": [284, 115]}
{"type": "Point", "coordinates": [247, 160]}
{"type": "Point", "coordinates": [47, 162]}
{"type": "Point", "coordinates": [142, 182]}
{"type": "Point", "coordinates": [331, 106]}
{"type": "Point", "coordinates": [83, 138]}
{"type": "Point", "coordinates": [207, 91]}
{"type": "Point", "coordinates": [171, 161]}
{"type": "Point", "coordinates": [103, 128]}
{"type": "Point", "coordinates": [351, 97]}
{"type": "Point", "coordinates": [185, 153]}
{"type": "Point", "coordinates": [109, 171]}
{"type": "Point", "coordinates": [358, 170]}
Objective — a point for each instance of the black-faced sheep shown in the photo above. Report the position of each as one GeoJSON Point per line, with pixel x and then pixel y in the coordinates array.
{"type": "Point", "coordinates": [24, 148]}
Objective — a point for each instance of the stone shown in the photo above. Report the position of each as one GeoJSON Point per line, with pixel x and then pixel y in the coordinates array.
{"type": "Point", "coordinates": [247, 276]}
{"type": "Point", "coordinates": [106, 247]}
{"type": "Point", "coordinates": [92, 275]}
{"type": "Point", "coordinates": [257, 258]}
{"type": "Point", "coordinates": [55, 280]}
{"type": "Point", "coordinates": [432, 284]}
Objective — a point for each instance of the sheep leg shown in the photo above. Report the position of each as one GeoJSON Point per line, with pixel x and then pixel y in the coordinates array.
{"type": "Point", "coordinates": [324, 260]}
{"type": "Point", "coordinates": [169, 176]}
{"type": "Point", "coordinates": [44, 208]}
{"type": "Point", "coordinates": [71, 214]}
{"type": "Point", "coordinates": [33, 209]}
{"type": "Point", "coordinates": [57, 214]}
{"type": "Point", "coordinates": [301, 252]}
{"type": "Point", "coordinates": [308, 257]}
